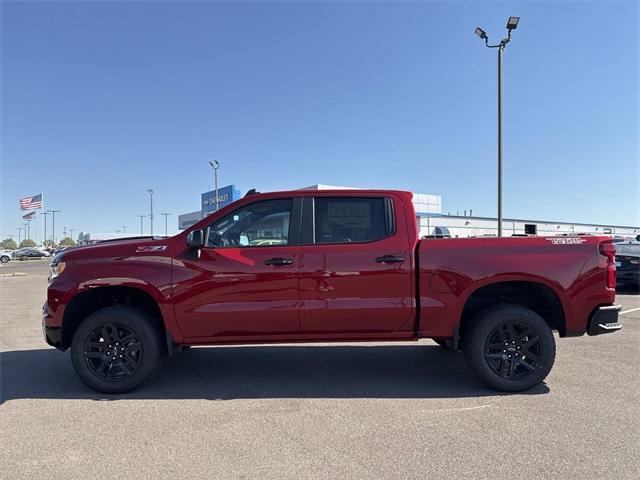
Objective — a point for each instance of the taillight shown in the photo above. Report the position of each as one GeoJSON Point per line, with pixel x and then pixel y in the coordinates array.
{"type": "Point", "coordinates": [608, 249]}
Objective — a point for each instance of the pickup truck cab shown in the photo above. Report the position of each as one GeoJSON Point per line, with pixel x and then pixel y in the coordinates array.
{"type": "Point", "coordinates": [323, 266]}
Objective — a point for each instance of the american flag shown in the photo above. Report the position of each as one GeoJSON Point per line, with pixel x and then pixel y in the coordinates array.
{"type": "Point", "coordinates": [29, 216]}
{"type": "Point", "coordinates": [31, 203]}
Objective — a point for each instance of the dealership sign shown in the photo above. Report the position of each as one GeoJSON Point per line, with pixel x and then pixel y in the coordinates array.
{"type": "Point", "coordinates": [226, 195]}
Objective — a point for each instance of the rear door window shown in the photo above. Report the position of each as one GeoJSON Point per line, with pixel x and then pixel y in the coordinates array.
{"type": "Point", "coordinates": [352, 219]}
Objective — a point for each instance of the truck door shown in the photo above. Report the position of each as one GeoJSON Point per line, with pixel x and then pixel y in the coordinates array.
{"type": "Point", "coordinates": [245, 281]}
{"type": "Point", "coordinates": [356, 276]}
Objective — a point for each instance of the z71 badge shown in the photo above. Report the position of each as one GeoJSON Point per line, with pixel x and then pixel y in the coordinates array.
{"type": "Point", "coordinates": [151, 248]}
{"type": "Point", "coordinates": [567, 240]}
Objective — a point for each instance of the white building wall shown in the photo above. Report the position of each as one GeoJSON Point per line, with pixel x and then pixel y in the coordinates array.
{"type": "Point", "coordinates": [478, 226]}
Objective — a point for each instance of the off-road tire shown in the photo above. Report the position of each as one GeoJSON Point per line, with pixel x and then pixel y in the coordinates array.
{"type": "Point", "coordinates": [484, 356]}
{"type": "Point", "coordinates": [147, 333]}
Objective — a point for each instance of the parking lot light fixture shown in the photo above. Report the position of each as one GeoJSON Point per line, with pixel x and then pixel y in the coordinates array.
{"type": "Point", "coordinates": [512, 24]}
{"type": "Point", "coordinates": [481, 33]}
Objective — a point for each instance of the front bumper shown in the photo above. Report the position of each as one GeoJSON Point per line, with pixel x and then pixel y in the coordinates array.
{"type": "Point", "coordinates": [52, 335]}
{"type": "Point", "coordinates": [604, 320]}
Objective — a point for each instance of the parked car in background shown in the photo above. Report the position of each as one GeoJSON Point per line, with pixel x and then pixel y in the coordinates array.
{"type": "Point", "coordinates": [5, 256]}
{"type": "Point", "coordinates": [29, 252]}
{"type": "Point", "coordinates": [628, 265]}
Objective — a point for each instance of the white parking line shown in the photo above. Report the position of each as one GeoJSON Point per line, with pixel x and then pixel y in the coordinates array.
{"type": "Point", "coordinates": [629, 311]}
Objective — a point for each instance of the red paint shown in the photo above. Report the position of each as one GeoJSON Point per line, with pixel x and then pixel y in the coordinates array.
{"type": "Point", "coordinates": [332, 292]}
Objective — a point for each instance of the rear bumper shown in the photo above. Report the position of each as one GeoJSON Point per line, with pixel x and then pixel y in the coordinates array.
{"type": "Point", "coordinates": [604, 320]}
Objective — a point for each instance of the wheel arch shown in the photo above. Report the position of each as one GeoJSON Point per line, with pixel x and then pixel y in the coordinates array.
{"type": "Point", "coordinates": [535, 295]}
{"type": "Point", "coordinates": [91, 300]}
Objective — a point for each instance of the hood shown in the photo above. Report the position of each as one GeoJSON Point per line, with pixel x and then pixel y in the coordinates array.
{"type": "Point", "coordinates": [118, 247]}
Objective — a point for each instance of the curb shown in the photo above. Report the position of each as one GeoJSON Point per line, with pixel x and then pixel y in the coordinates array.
{"type": "Point", "coordinates": [15, 274]}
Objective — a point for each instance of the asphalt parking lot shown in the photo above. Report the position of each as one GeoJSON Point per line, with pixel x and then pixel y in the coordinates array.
{"type": "Point", "coordinates": [329, 411]}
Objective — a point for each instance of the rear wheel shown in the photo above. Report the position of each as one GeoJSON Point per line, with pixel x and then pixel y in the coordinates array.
{"type": "Point", "coordinates": [116, 349]}
{"type": "Point", "coordinates": [511, 348]}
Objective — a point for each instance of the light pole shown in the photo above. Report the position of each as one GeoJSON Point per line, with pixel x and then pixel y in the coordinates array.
{"type": "Point", "coordinates": [512, 24]}
{"type": "Point", "coordinates": [166, 215]}
{"type": "Point", "coordinates": [215, 165]}
{"type": "Point", "coordinates": [53, 224]}
{"type": "Point", "coordinates": [142, 217]}
{"type": "Point", "coordinates": [151, 211]}
{"type": "Point", "coordinates": [71, 230]}
{"type": "Point", "coordinates": [25, 225]}
{"type": "Point", "coordinates": [45, 226]}
{"type": "Point", "coordinates": [19, 235]}
{"type": "Point", "coordinates": [124, 230]}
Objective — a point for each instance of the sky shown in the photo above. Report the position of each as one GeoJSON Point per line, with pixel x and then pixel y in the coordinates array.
{"type": "Point", "coordinates": [102, 100]}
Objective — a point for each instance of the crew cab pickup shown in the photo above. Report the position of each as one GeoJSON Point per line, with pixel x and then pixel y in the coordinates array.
{"type": "Point", "coordinates": [326, 266]}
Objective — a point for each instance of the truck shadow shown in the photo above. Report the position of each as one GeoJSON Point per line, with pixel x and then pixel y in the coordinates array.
{"type": "Point", "coordinates": [225, 373]}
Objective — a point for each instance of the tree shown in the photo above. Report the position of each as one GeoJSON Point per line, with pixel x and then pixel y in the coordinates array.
{"type": "Point", "coordinates": [8, 244]}
{"type": "Point", "coordinates": [67, 242]}
{"type": "Point", "coordinates": [27, 242]}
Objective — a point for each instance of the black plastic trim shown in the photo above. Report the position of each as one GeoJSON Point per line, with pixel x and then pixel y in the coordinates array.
{"type": "Point", "coordinates": [53, 336]}
{"type": "Point", "coordinates": [604, 320]}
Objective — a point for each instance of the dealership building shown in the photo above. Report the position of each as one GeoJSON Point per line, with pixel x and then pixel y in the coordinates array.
{"type": "Point", "coordinates": [431, 220]}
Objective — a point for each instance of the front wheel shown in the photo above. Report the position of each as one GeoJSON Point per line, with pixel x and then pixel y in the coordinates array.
{"type": "Point", "coordinates": [116, 349]}
{"type": "Point", "coordinates": [510, 348]}
{"type": "Point", "coordinates": [4, 259]}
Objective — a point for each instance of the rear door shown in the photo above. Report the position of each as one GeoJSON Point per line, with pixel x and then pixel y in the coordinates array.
{"type": "Point", "coordinates": [355, 266]}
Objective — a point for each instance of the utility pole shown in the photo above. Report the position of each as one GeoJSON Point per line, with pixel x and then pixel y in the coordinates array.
{"type": "Point", "coordinates": [512, 24]}
{"type": "Point", "coordinates": [124, 230]}
{"type": "Point", "coordinates": [44, 214]}
{"type": "Point", "coordinates": [166, 215]}
{"type": "Point", "coordinates": [215, 165]}
{"type": "Point", "coordinates": [150, 191]}
{"type": "Point", "coordinates": [142, 217]}
{"type": "Point", "coordinates": [53, 224]}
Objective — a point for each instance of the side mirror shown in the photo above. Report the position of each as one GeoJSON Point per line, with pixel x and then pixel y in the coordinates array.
{"type": "Point", "coordinates": [195, 240]}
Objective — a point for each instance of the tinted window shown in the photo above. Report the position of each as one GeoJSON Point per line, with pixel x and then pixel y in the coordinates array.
{"type": "Point", "coordinates": [346, 220]}
{"type": "Point", "coordinates": [255, 225]}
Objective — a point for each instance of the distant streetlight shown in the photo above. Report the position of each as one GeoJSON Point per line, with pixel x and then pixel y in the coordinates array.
{"type": "Point", "coordinates": [512, 24]}
{"type": "Point", "coordinates": [142, 217]}
{"type": "Point", "coordinates": [150, 191]}
{"type": "Point", "coordinates": [19, 235]}
{"type": "Point", "coordinates": [215, 165]}
{"type": "Point", "coordinates": [45, 225]}
{"type": "Point", "coordinates": [166, 215]}
{"type": "Point", "coordinates": [124, 230]}
{"type": "Point", "coordinates": [53, 224]}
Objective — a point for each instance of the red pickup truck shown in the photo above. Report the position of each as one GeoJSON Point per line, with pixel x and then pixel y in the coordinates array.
{"type": "Point", "coordinates": [321, 266]}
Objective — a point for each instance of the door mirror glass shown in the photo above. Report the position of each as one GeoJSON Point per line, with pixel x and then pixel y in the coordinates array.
{"type": "Point", "coordinates": [195, 239]}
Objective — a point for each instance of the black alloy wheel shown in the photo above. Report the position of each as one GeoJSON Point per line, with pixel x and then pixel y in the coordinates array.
{"type": "Point", "coordinates": [513, 350]}
{"type": "Point", "coordinates": [113, 352]}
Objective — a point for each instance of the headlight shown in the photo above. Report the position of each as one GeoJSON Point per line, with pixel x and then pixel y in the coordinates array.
{"type": "Point", "coordinates": [57, 268]}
